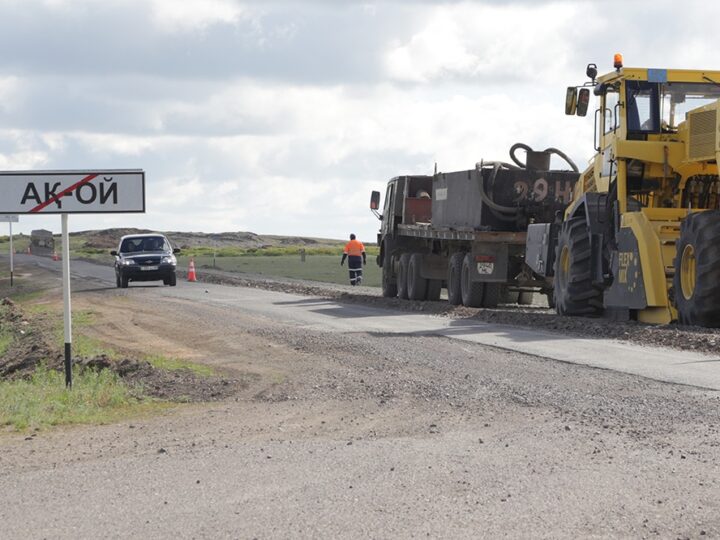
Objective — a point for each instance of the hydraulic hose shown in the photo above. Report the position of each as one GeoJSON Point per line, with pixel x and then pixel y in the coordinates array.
{"type": "Point", "coordinates": [496, 165]}
{"type": "Point", "coordinates": [511, 213]}
{"type": "Point", "coordinates": [551, 150]}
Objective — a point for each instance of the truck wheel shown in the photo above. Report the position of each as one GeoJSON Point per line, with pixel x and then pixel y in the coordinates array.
{"type": "Point", "coordinates": [574, 291]}
{"type": "Point", "coordinates": [417, 285]}
{"type": "Point", "coordinates": [472, 291]}
{"type": "Point", "coordinates": [389, 285]}
{"type": "Point", "coordinates": [697, 270]}
{"type": "Point", "coordinates": [433, 289]}
{"type": "Point", "coordinates": [453, 280]}
{"type": "Point", "coordinates": [491, 295]}
{"type": "Point", "coordinates": [402, 281]}
{"type": "Point", "coordinates": [525, 298]}
{"type": "Point", "coordinates": [172, 280]}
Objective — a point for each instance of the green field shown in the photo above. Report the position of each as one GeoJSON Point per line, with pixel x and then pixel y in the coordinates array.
{"type": "Point", "coordinates": [322, 263]}
{"type": "Point", "coordinates": [325, 268]}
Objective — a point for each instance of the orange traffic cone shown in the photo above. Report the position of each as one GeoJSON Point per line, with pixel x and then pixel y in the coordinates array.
{"type": "Point", "coordinates": [191, 271]}
{"type": "Point", "coordinates": [55, 256]}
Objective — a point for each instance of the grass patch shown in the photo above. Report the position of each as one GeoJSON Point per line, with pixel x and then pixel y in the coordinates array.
{"type": "Point", "coordinates": [87, 347]}
{"type": "Point", "coordinates": [323, 268]}
{"type": "Point", "coordinates": [6, 339]}
{"type": "Point", "coordinates": [43, 400]}
{"type": "Point", "coordinates": [24, 296]}
{"type": "Point", "coordinates": [82, 345]}
{"type": "Point", "coordinates": [224, 252]}
{"type": "Point", "coordinates": [174, 364]}
{"type": "Point", "coordinates": [6, 336]}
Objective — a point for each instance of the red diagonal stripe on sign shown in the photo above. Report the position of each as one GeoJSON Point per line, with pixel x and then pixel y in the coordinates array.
{"type": "Point", "coordinates": [65, 191]}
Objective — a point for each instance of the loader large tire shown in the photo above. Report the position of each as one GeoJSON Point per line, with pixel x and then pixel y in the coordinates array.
{"type": "Point", "coordinates": [416, 284]}
{"type": "Point", "coordinates": [389, 283]}
{"type": "Point", "coordinates": [472, 291]}
{"type": "Point", "coordinates": [575, 293]}
{"type": "Point", "coordinates": [697, 270]}
{"type": "Point", "coordinates": [453, 279]}
{"type": "Point", "coordinates": [402, 281]}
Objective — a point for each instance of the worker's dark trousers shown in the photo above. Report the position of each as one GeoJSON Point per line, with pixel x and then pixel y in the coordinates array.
{"type": "Point", "coordinates": [355, 267]}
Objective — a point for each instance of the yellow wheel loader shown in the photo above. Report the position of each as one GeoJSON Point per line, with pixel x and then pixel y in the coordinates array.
{"type": "Point", "coordinates": [641, 237]}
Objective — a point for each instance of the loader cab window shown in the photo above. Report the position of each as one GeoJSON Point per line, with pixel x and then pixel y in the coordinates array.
{"type": "Point", "coordinates": [642, 107]}
{"type": "Point", "coordinates": [612, 98]}
{"type": "Point", "coordinates": [677, 99]}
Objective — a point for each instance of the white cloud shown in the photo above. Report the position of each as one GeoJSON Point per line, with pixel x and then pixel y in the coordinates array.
{"type": "Point", "coordinates": [10, 92]}
{"type": "Point", "coordinates": [468, 40]}
{"type": "Point", "coordinates": [184, 15]}
{"type": "Point", "coordinates": [113, 144]}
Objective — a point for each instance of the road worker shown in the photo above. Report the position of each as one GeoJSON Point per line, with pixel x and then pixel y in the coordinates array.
{"type": "Point", "coordinates": [354, 252]}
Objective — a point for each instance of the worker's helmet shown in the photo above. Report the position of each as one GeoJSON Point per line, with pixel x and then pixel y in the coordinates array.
{"type": "Point", "coordinates": [352, 237]}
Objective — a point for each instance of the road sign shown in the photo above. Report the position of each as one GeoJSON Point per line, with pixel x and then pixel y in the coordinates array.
{"type": "Point", "coordinates": [9, 218]}
{"type": "Point", "coordinates": [72, 192]}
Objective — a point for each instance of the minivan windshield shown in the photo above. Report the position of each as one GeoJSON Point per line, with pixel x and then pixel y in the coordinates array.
{"type": "Point", "coordinates": [144, 244]}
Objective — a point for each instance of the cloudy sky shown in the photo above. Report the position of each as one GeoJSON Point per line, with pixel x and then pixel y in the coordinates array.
{"type": "Point", "coordinates": [280, 117]}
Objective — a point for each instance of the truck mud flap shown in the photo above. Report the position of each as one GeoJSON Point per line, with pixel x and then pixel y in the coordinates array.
{"type": "Point", "coordinates": [490, 263]}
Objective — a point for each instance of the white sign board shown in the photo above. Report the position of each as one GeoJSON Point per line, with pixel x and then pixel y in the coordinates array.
{"type": "Point", "coordinates": [9, 218]}
{"type": "Point", "coordinates": [72, 192]}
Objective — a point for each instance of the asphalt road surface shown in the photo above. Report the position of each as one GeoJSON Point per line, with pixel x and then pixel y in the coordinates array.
{"type": "Point", "coordinates": [362, 422]}
{"type": "Point", "coordinates": [682, 367]}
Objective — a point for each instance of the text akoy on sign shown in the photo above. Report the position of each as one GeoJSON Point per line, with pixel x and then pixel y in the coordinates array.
{"type": "Point", "coordinates": [72, 192]}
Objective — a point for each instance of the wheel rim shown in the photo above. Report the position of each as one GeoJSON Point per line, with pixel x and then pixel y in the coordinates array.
{"type": "Point", "coordinates": [564, 265]}
{"type": "Point", "coordinates": [688, 272]}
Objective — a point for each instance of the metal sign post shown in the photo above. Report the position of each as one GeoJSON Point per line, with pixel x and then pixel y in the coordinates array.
{"type": "Point", "coordinates": [67, 313]}
{"type": "Point", "coordinates": [10, 219]}
{"type": "Point", "coordinates": [71, 192]}
{"type": "Point", "coordinates": [12, 256]}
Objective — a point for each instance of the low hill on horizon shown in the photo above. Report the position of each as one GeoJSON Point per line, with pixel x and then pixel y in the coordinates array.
{"type": "Point", "coordinates": [108, 239]}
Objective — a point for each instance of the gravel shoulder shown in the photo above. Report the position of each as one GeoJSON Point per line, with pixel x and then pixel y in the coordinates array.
{"type": "Point", "coordinates": [537, 316]}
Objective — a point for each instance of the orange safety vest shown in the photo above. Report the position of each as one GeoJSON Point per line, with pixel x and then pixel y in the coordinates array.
{"type": "Point", "coordinates": [354, 248]}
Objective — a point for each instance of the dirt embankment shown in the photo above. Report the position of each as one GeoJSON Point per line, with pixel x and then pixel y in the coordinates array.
{"type": "Point", "coordinates": [33, 342]}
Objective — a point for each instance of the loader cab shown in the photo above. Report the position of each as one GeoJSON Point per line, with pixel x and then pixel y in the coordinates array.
{"type": "Point", "coordinates": [635, 106]}
{"type": "Point", "coordinates": [655, 169]}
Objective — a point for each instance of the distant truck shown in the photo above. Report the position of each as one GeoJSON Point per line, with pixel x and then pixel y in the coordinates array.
{"type": "Point", "coordinates": [466, 231]}
{"type": "Point", "coordinates": [41, 239]}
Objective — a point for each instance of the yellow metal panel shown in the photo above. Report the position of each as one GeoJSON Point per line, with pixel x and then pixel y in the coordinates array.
{"type": "Point", "coordinates": [658, 315]}
{"type": "Point", "coordinates": [673, 75]}
{"type": "Point", "coordinates": [651, 257]}
{"type": "Point", "coordinates": [622, 185]}
{"type": "Point", "coordinates": [665, 214]}
{"type": "Point", "coordinates": [651, 151]}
